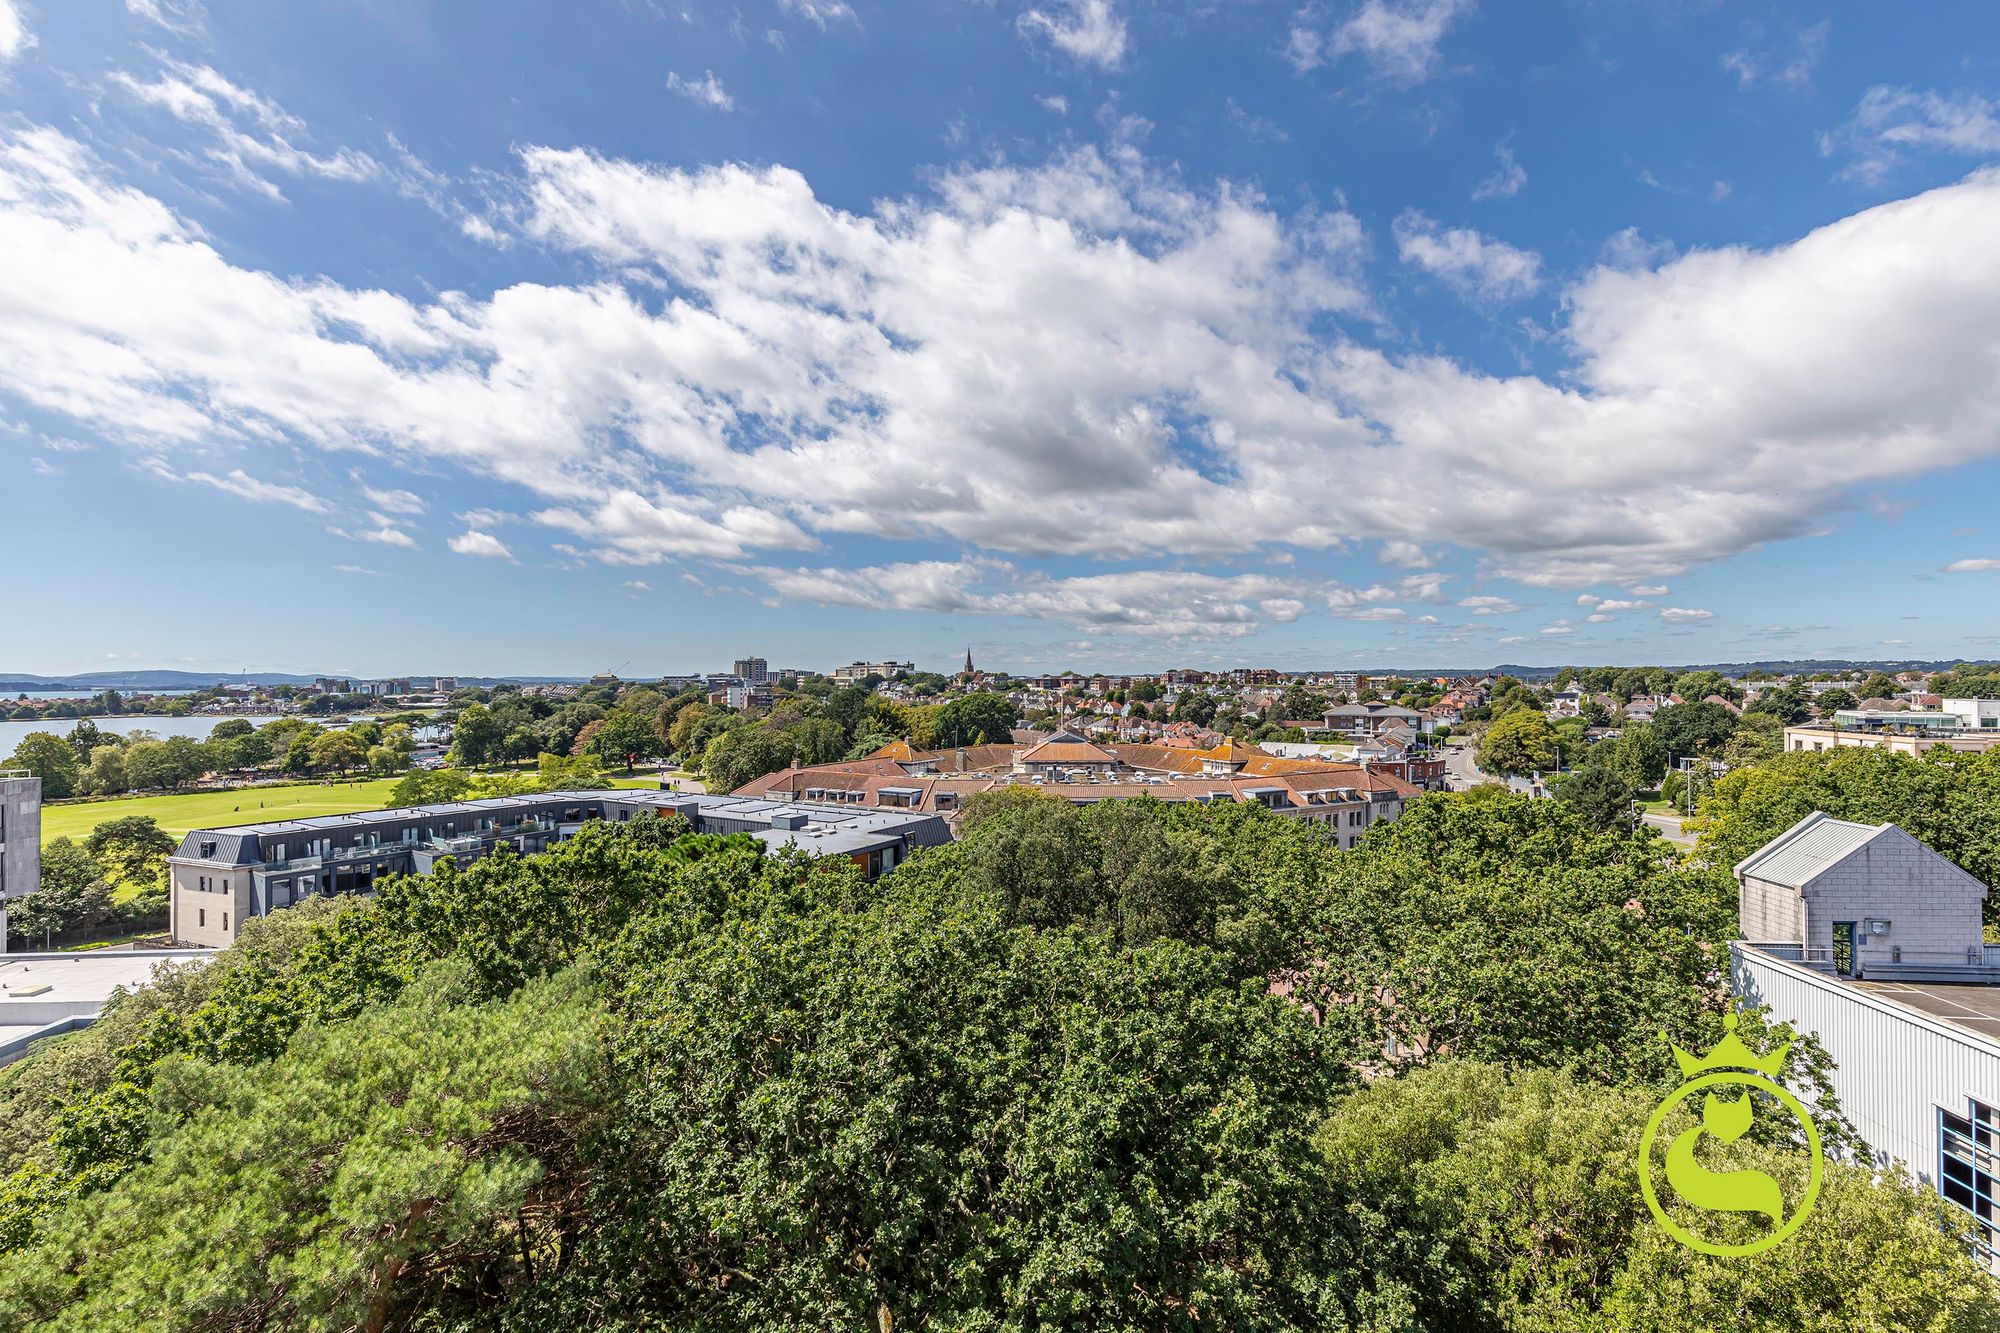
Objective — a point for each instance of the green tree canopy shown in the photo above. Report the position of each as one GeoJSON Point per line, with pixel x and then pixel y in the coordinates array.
{"type": "Point", "coordinates": [50, 758]}
{"type": "Point", "coordinates": [975, 719]}
{"type": "Point", "coordinates": [131, 849]}
{"type": "Point", "coordinates": [1694, 728]}
{"type": "Point", "coordinates": [744, 754]}
{"type": "Point", "coordinates": [1517, 743]}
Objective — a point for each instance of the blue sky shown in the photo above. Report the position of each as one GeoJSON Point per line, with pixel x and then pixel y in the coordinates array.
{"type": "Point", "coordinates": [511, 338]}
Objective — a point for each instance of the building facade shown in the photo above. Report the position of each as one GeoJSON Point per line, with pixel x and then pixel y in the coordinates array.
{"type": "Point", "coordinates": [858, 671]}
{"type": "Point", "coordinates": [219, 877]}
{"type": "Point", "coordinates": [1914, 742]}
{"type": "Point", "coordinates": [751, 670]}
{"type": "Point", "coordinates": [20, 839]}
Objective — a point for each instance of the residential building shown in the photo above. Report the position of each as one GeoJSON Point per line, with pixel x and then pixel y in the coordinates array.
{"type": "Point", "coordinates": [751, 670]}
{"type": "Point", "coordinates": [20, 839]}
{"type": "Point", "coordinates": [1865, 938]}
{"type": "Point", "coordinates": [740, 697]}
{"type": "Point", "coordinates": [858, 671]}
{"type": "Point", "coordinates": [1974, 714]}
{"type": "Point", "coordinates": [1347, 798]}
{"type": "Point", "coordinates": [221, 876]}
{"type": "Point", "coordinates": [1370, 719]}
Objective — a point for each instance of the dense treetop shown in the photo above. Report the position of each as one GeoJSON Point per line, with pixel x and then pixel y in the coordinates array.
{"type": "Point", "coordinates": [1129, 1066]}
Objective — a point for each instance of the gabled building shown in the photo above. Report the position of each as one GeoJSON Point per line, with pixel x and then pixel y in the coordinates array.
{"type": "Point", "coordinates": [1860, 897]}
{"type": "Point", "coordinates": [1371, 718]}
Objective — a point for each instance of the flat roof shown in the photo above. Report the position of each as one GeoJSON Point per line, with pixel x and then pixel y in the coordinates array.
{"type": "Point", "coordinates": [81, 978]}
{"type": "Point", "coordinates": [1974, 1008]}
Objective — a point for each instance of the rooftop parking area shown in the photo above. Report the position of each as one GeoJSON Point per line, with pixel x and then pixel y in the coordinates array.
{"type": "Point", "coordinates": [1974, 1008]}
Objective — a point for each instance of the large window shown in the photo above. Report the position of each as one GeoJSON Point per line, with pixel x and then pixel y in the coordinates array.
{"type": "Point", "coordinates": [1968, 1166]}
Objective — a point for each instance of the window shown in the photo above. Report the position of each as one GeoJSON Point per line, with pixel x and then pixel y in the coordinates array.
{"type": "Point", "coordinates": [207, 850]}
{"type": "Point", "coordinates": [225, 921]}
{"type": "Point", "coordinates": [1968, 1164]}
{"type": "Point", "coordinates": [201, 916]}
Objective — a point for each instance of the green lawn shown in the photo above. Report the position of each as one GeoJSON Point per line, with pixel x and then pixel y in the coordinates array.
{"type": "Point", "coordinates": [217, 809]}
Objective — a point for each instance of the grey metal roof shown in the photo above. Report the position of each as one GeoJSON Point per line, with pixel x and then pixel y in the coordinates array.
{"type": "Point", "coordinates": [1808, 849]}
{"type": "Point", "coordinates": [860, 827]}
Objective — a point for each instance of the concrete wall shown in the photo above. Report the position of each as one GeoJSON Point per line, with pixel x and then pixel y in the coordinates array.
{"type": "Point", "coordinates": [1768, 911]}
{"type": "Point", "coordinates": [1895, 1066]}
{"type": "Point", "coordinates": [1932, 907]}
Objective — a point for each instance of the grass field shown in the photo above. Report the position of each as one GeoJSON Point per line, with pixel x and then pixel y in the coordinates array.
{"type": "Point", "coordinates": [216, 809]}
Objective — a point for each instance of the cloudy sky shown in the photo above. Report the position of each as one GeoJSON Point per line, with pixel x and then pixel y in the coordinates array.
{"type": "Point", "coordinates": [639, 334]}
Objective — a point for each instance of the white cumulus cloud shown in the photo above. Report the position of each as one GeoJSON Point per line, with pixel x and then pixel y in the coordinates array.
{"type": "Point", "coordinates": [1089, 30]}
{"type": "Point", "coordinates": [1089, 356]}
{"type": "Point", "coordinates": [483, 544]}
{"type": "Point", "coordinates": [1509, 177]}
{"type": "Point", "coordinates": [1476, 265]}
{"type": "Point", "coordinates": [706, 90]}
{"type": "Point", "coordinates": [14, 35]}
{"type": "Point", "coordinates": [1891, 123]}
{"type": "Point", "coordinates": [1398, 39]}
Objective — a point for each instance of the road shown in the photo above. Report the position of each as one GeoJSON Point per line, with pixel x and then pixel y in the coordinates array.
{"type": "Point", "coordinates": [1460, 772]}
{"type": "Point", "coordinates": [1669, 826]}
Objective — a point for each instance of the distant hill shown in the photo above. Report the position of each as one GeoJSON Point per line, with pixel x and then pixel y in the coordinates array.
{"type": "Point", "coordinates": [16, 681]}
{"type": "Point", "coordinates": [1777, 666]}
{"type": "Point", "coordinates": [145, 680]}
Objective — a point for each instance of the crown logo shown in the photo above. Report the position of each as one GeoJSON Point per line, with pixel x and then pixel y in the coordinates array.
{"type": "Point", "coordinates": [1731, 1053]}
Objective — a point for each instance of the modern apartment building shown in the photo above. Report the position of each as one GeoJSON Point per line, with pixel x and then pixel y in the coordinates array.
{"type": "Point", "coordinates": [1864, 937]}
{"type": "Point", "coordinates": [751, 670]}
{"type": "Point", "coordinates": [20, 839]}
{"type": "Point", "coordinates": [221, 876]}
{"type": "Point", "coordinates": [740, 697]}
{"type": "Point", "coordinates": [856, 671]}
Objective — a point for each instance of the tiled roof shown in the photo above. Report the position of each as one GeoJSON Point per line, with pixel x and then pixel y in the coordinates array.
{"type": "Point", "coordinates": [1067, 752]}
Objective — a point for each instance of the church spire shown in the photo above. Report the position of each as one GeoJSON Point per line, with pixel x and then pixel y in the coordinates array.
{"type": "Point", "coordinates": [968, 659]}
